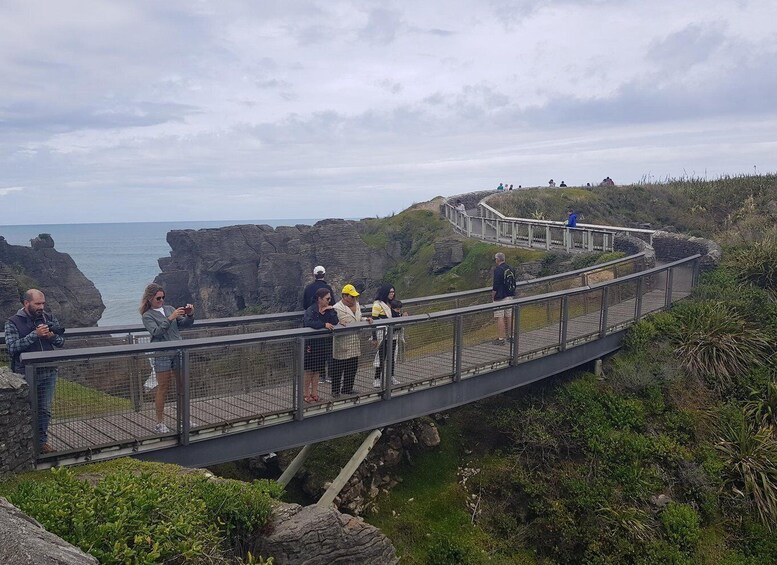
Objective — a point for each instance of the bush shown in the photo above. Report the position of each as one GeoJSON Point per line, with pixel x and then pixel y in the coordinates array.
{"type": "Point", "coordinates": [145, 513]}
{"type": "Point", "coordinates": [756, 263]}
{"type": "Point", "coordinates": [749, 456]}
{"type": "Point", "coordinates": [681, 524]}
{"type": "Point", "coordinates": [715, 344]}
{"type": "Point", "coordinates": [447, 551]}
{"type": "Point", "coordinates": [640, 336]}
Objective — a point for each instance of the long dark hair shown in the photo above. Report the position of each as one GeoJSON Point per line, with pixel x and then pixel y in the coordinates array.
{"type": "Point", "coordinates": [383, 293]}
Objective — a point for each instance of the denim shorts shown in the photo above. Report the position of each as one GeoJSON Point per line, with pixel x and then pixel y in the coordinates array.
{"type": "Point", "coordinates": [162, 364]}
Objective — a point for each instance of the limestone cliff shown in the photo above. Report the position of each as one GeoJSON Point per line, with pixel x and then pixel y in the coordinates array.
{"type": "Point", "coordinates": [224, 270]}
{"type": "Point", "coordinates": [69, 294]}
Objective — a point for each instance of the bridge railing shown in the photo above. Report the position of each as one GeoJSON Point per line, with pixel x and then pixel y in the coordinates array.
{"type": "Point", "coordinates": [491, 225]}
{"type": "Point", "coordinates": [232, 383]}
{"type": "Point", "coordinates": [77, 338]}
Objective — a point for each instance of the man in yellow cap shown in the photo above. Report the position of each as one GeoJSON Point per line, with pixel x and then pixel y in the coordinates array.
{"type": "Point", "coordinates": [347, 346]}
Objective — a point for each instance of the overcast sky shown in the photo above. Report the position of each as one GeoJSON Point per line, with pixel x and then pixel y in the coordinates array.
{"type": "Point", "coordinates": [213, 110]}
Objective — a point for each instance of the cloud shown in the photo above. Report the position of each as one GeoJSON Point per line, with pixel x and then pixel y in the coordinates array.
{"type": "Point", "coordinates": [9, 189]}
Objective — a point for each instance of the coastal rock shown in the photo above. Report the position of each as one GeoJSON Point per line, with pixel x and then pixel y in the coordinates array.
{"type": "Point", "coordinates": [69, 294]}
{"type": "Point", "coordinates": [313, 535]}
{"type": "Point", "coordinates": [226, 270]}
{"type": "Point", "coordinates": [447, 254]}
{"type": "Point", "coordinates": [26, 542]}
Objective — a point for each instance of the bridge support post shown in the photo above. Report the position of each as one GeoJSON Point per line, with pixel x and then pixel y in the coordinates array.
{"type": "Point", "coordinates": [564, 323]}
{"type": "Point", "coordinates": [605, 308]}
{"type": "Point", "coordinates": [598, 368]}
{"type": "Point", "coordinates": [299, 380]}
{"type": "Point", "coordinates": [547, 238]}
{"type": "Point", "coordinates": [294, 467]}
{"type": "Point", "coordinates": [638, 301]}
{"type": "Point", "coordinates": [388, 363]}
{"type": "Point", "coordinates": [516, 331]}
{"type": "Point", "coordinates": [458, 344]}
{"type": "Point", "coordinates": [531, 235]}
{"type": "Point", "coordinates": [669, 283]}
{"type": "Point", "coordinates": [29, 376]}
{"type": "Point", "coordinates": [350, 468]}
{"type": "Point", "coordinates": [184, 399]}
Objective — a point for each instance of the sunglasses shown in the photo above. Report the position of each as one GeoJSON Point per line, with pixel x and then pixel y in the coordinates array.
{"type": "Point", "coordinates": [159, 298]}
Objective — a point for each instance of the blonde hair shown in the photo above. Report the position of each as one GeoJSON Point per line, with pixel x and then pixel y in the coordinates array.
{"type": "Point", "coordinates": [148, 294]}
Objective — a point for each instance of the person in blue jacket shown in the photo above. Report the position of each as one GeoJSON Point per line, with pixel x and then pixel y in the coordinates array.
{"type": "Point", "coordinates": [318, 350]}
{"type": "Point", "coordinates": [571, 219]}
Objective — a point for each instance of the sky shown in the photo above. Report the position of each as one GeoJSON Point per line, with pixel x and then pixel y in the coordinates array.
{"type": "Point", "coordinates": [144, 110]}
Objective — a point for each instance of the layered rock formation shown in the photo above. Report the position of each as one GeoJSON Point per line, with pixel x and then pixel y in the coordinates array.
{"type": "Point", "coordinates": [69, 294]}
{"type": "Point", "coordinates": [224, 270]}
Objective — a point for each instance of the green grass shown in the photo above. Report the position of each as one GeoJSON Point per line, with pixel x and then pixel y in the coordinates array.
{"type": "Point", "coordinates": [72, 399]}
{"type": "Point", "coordinates": [428, 510]}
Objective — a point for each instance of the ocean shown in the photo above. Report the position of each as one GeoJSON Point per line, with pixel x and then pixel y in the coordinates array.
{"type": "Point", "coordinates": [121, 258]}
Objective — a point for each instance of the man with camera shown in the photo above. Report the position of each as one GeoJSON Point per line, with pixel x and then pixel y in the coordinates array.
{"type": "Point", "coordinates": [32, 329]}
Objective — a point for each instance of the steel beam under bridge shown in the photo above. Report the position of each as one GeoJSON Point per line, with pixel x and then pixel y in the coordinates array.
{"type": "Point", "coordinates": [369, 416]}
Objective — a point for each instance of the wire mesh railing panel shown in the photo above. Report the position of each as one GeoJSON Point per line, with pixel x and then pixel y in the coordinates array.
{"type": "Point", "coordinates": [682, 281]}
{"type": "Point", "coordinates": [584, 311]}
{"type": "Point", "coordinates": [423, 351]}
{"type": "Point", "coordinates": [622, 303]}
{"type": "Point", "coordinates": [102, 401]}
{"type": "Point", "coordinates": [242, 381]}
{"type": "Point", "coordinates": [481, 343]}
{"type": "Point", "coordinates": [654, 292]}
{"type": "Point", "coordinates": [539, 326]}
{"type": "Point", "coordinates": [79, 342]}
{"type": "Point", "coordinates": [557, 236]}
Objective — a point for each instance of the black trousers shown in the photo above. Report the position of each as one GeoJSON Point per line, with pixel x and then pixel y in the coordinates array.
{"type": "Point", "coordinates": [343, 370]}
{"type": "Point", "coordinates": [382, 356]}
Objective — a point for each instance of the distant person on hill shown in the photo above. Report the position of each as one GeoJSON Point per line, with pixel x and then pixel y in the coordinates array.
{"type": "Point", "coordinates": [347, 345]}
{"type": "Point", "coordinates": [503, 288]}
{"type": "Point", "coordinates": [500, 187]}
{"type": "Point", "coordinates": [318, 351]}
{"type": "Point", "coordinates": [310, 290]}
{"type": "Point", "coordinates": [460, 207]}
{"type": "Point", "coordinates": [381, 309]}
{"type": "Point", "coordinates": [163, 323]}
{"type": "Point", "coordinates": [551, 183]}
{"type": "Point", "coordinates": [571, 219]}
{"type": "Point", "coordinates": [511, 187]}
{"type": "Point", "coordinates": [563, 184]}
{"type": "Point", "coordinates": [32, 329]}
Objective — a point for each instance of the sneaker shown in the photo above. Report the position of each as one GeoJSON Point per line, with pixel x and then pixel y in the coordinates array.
{"type": "Point", "coordinates": [376, 383]}
{"type": "Point", "coordinates": [46, 448]}
{"type": "Point", "coordinates": [499, 342]}
{"type": "Point", "coordinates": [394, 381]}
{"type": "Point", "coordinates": [160, 428]}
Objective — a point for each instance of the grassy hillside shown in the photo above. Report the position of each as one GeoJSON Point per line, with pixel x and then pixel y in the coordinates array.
{"type": "Point", "coordinates": [671, 457]}
{"type": "Point", "coordinates": [692, 206]}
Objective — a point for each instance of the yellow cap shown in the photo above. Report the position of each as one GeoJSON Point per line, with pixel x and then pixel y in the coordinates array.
{"type": "Point", "coordinates": [350, 290]}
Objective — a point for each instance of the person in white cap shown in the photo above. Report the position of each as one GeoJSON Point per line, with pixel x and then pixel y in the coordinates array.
{"type": "Point", "coordinates": [310, 290]}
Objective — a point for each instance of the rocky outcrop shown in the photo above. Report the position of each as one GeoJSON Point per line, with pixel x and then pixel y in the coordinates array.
{"type": "Point", "coordinates": [225, 270]}
{"type": "Point", "coordinates": [673, 246]}
{"type": "Point", "coordinates": [16, 451]}
{"type": "Point", "coordinates": [69, 294]}
{"type": "Point", "coordinates": [314, 535]}
{"type": "Point", "coordinates": [631, 245]}
{"type": "Point", "coordinates": [447, 254]}
{"type": "Point", "coordinates": [25, 542]}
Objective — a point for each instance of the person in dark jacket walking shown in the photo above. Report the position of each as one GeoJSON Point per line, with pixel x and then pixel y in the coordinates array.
{"type": "Point", "coordinates": [318, 350]}
{"type": "Point", "coordinates": [32, 329]}
{"type": "Point", "coordinates": [310, 290]}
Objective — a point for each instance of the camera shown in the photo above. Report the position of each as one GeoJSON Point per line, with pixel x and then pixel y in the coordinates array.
{"type": "Point", "coordinates": [187, 310]}
{"type": "Point", "coordinates": [56, 329]}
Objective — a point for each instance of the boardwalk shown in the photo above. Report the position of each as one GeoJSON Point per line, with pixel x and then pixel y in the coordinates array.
{"type": "Point", "coordinates": [245, 402]}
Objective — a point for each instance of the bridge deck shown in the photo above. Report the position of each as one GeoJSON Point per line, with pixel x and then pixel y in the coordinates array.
{"type": "Point", "coordinates": [231, 413]}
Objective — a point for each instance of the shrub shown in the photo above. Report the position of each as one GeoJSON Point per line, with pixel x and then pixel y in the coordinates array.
{"type": "Point", "coordinates": [640, 336]}
{"type": "Point", "coordinates": [715, 344]}
{"type": "Point", "coordinates": [144, 513]}
{"type": "Point", "coordinates": [447, 551]}
{"type": "Point", "coordinates": [756, 263]}
{"type": "Point", "coordinates": [749, 456]}
{"type": "Point", "coordinates": [681, 524]}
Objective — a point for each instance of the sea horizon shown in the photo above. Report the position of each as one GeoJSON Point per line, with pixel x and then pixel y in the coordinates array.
{"type": "Point", "coordinates": [121, 258]}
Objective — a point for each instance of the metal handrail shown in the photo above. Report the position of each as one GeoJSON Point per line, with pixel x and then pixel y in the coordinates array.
{"type": "Point", "coordinates": [37, 358]}
{"type": "Point", "coordinates": [297, 315]}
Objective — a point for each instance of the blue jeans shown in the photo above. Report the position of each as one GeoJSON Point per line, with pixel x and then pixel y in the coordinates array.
{"type": "Point", "coordinates": [45, 382]}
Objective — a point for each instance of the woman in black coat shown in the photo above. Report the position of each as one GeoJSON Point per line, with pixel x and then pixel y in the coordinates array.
{"type": "Point", "coordinates": [318, 350]}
